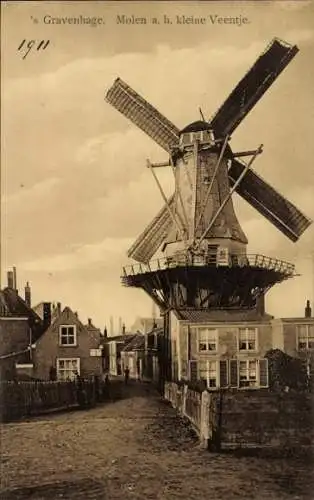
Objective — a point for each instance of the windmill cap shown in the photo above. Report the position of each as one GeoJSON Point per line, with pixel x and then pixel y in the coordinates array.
{"type": "Point", "coordinates": [196, 127]}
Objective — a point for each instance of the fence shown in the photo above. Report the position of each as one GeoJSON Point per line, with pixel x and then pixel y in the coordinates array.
{"type": "Point", "coordinates": [200, 407]}
{"type": "Point", "coordinates": [247, 419]}
{"type": "Point", "coordinates": [24, 399]}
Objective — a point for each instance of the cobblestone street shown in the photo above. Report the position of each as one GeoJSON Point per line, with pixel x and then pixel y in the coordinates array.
{"type": "Point", "coordinates": [135, 448]}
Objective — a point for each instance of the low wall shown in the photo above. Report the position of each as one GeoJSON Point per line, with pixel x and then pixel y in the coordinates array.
{"type": "Point", "coordinates": [228, 420]}
{"type": "Point", "coordinates": [262, 419]}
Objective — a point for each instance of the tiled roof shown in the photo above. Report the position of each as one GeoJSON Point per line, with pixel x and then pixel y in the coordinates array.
{"type": "Point", "coordinates": [12, 305]}
{"type": "Point", "coordinates": [136, 344]}
{"type": "Point", "coordinates": [199, 316]}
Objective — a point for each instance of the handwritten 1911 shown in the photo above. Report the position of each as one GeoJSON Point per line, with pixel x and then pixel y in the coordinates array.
{"type": "Point", "coordinates": [26, 46]}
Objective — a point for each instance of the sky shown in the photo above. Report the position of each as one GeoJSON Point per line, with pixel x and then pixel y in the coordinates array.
{"type": "Point", "coordinates": [75, 189]}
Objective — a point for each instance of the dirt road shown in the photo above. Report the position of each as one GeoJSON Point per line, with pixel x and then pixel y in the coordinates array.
{"type": "Point", "coordinates": [135, 448]}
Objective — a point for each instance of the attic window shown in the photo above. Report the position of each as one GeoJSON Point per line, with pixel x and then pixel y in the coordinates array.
{"type": "Point", "coordinates": [67, 335]}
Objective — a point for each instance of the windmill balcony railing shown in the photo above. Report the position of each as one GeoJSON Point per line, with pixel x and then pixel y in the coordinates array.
{"type": "Point", "coordinates": [250, 260]}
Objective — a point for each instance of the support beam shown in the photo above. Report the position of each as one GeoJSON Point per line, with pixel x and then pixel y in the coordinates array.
{"type": "Point", "coordinates": [166, 201]}
{"type": "Point", "coordinates": [220, 209]}
{"type": "Point", "coordinates": [201, 113]}
{"type": "Point", "coordinates": [178, 192]}
{"type": "Point", "coordinates": [245, 153]}
{"type": "Point", "coordinates": [161, 164]}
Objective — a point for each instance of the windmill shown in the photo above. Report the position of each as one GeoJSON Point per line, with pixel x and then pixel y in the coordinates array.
{"type": "Point", "coordinates": [205, 263]}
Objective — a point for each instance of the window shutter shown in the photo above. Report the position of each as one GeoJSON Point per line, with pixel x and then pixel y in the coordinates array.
{"type": "Point", "coordinates": [234, 373]}
{"type": "Point", "coordinates": [238, 339]}
{"type": "Point", "coordinates": [263, 372]}
{"type": "Point", "coordinates": [223, 373]}
{"type": "Point", "coordinates": [193, 371]}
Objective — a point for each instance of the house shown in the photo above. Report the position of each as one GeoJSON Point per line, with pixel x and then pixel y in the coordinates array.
{"type": "Point", "coordinates": [68, 347]}
{"type": "Point", "coordinates": [141, 355]}
{"type": "Point", "coordinates": [227, 349]}
{"type": "Point", "coordinates": [20, 326]}
{"type": "Point", "coordinates": [295, 337]}
{"type": "Point", "coordinates": [112, 347]}
{"type": "Point", "coordinates": [133, 356]}
{"type": "Point", "coordinates": [221, 348]}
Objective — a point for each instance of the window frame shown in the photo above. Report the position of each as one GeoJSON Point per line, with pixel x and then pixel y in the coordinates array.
{"type": "Point", "coordinates": [207, 342]}
{"type": "Point", "coordinates": [208, 378]}
{"type": "Point", "coordinates": [78, 369]}
{"type": "Point", "coordinates": [306, 338]}
{"type": "Point", "coordinates": [258, 364]}
{"type": "Point", "coordinates": [74, 335]}
{"type": "Point", "coordinates": [249, 382]}
{"type": "Point", "coordinates": [247, 328]}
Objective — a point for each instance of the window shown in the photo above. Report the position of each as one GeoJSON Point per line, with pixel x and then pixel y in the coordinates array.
{"type": "Point", "coordinates": [207, 339]}
{"type": "Point", "coordinates": [68, 368]}
{"type": "Point", "coordinates": [68, 335]}
{"type": "Point", "coordinates": [208, 373]}
{"type": "Point", "coordinates": [247, 339]}
{"type": "Point", "coordinates": [248, 373]}
{"type": "Point", "coordinates": [305, 336]}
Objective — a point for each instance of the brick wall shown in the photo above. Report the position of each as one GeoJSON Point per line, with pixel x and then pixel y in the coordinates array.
{"type": "Point", "coordinates": [266, 420]}
{"type": "Point", "coordinates": [14, 337]}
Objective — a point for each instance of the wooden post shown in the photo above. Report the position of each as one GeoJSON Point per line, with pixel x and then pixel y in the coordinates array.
{"type": "Point", "coordinates": [204, 427]}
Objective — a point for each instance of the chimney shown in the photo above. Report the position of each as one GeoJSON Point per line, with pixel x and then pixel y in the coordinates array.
{"type": "Point", "coordinates": [47, 314]}
{"type": "Point", "coordinates": [260, 304]}
{"type": "Point", "coordinates": [111, 325]}
{"type": "Point", "coordinates": [59, 308]}
{"type": "Point", "coordinates": [308, 310]}
{"type": "Point", "coordinates": [89, 321]}
{"type": "Point", "coordinates": [27, 295]}
{"type": "Point", "coordinates": [10, 280]}
{"type": "Point", "coordinates": [105, 332]}
{"type": "Point", "coordinates": [120, 325]}
{"type": "Point", "coordinates": [14, 279]}
{"type": "Point", "coordinates": [76, 314]}
{"type": "Point", "coordinates": [123, 329]}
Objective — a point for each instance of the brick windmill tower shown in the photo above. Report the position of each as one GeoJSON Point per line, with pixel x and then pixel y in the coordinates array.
{"type": "Point", "coordinates": [205, 264]}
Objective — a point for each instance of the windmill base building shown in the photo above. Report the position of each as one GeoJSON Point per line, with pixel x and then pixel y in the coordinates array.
{"type": "Point", "coordinates": [210, 290]}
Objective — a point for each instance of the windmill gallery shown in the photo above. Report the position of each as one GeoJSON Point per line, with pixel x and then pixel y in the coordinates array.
{"type": "Point", "coordinates": [205, 267]}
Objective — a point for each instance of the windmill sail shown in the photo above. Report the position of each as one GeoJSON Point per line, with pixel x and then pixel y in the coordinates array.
{"type": "Point", "coordinates": [153, 236]}
{"type": "Point", "coordinates": [254, 84]}
{"type": "Point", "coordinates": [141, 113]}
{"type": "Point", "coordinates": [268, 202]}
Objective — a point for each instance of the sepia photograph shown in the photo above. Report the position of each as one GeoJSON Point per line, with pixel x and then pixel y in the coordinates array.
{"type": "Point", "coordinates": [157, 250]}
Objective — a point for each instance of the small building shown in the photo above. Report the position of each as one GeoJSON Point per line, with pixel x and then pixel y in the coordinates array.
{"type": "Point", "coordinates": [68, 347]}
{"type": "Point", "coordinates": [141, 355]}
{"type": "Point", "coordinates": [133, 356]}
{"type": "Point", "coordinates": [113, 347]}
{"type": "Point", "coordinates": [20, 326]}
